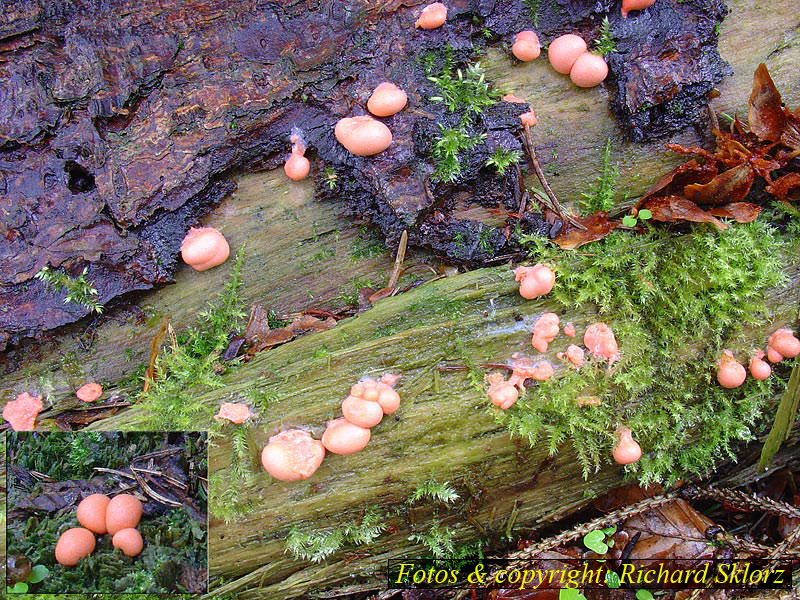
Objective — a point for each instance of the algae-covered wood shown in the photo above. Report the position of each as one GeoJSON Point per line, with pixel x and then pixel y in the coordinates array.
{"type": "Point", "coordinates": [443, 429]}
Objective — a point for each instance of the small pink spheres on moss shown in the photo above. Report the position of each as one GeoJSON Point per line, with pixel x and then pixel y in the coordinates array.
{"type": "Point", "coordinates": [343, 437]}
{"type": "Point", "coordinates": [569, 330]}
{"type": "Point", "coordinates": [386, 100]}
{"type": "Point", "coordinates": [297, 166]}
{"type": "Point", "coordinates": [575, 355]}
{"type": "Point", "coordinates": [529, 118]}
{"type": "Point", "coordinates": [545, 331]}
{"type": "Point", "coordinates": [89, 392]}
{"type": "Point", "coordinates": [589, 70]}
{"type": "Point", "coordinates": [730, 373]}
{"type": "Point", "coordinates": [129, 541]}
{"type": "Point", "coordinates": [534, 281]}
{"type": "Point", "coordinates": [204, 248]}
{"type": "Point", "coordinates": [526, 46]}
{"type": "Point", "coordinates": [502, 393]}
{"type": "Point", "coordinates": [564, 51]}
{"type": "Point", "coordinates": [21, 413]}
{"type": "Point", "coordinates": [364, 413]}
{"type": "Point", "coordinates": [600, 341]}
{"type": "Point", "coordinates": [759, 368]}
{"type": "Point", "coordinates": [513, 98]}
{"type": "Point", "coordinates": [432, 16]}
{"type": "Point", "coordinates": [292, 455]}
{"type": "Point", "coordinates": [91, 513]}
{"type": "Point", "coordinates": [626, 451]}
{"type": "Point", "coordinates": [363, 135]}
{"type": "Point", "coordinates": [234, 412]}
{"type": "Point", "coordinates": [629, 5]}
{"type": "Point", "coordinates": [73, 545]}
{"type": "Point", "coordinates": [782, 344]}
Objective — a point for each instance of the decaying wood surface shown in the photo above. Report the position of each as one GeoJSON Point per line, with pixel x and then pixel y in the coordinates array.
{"type": "Point", "coordinates": [299, 256]}
{"type": "Point", "coordinates": [443, 429]}
{"type": "Point", "coordinates": [302, 248]}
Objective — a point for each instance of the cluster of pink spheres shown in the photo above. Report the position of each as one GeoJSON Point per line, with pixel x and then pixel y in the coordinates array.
{"type": "Point", "coordinates": [781, 344]}
{"type": "Point", "coordinates": [294, 455]}
{"type": "Point", "coordinates": [598, 339]}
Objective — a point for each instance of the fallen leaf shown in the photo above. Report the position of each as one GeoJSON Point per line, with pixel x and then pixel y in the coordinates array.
{"type": "Point", "coordinates": [597, 227]}
{"type": "Point", "coordinates": [305, 322]}
{"type": "Point", "coordinates": [275, 337]}
{"type": "Point", "coordinates": [732, 185]}
{"type": "Point", "coordinates": [791, 134]}
{"type": "Point", "coordinates": [765, 112]}
{"type": "Point", "coordinates": [674, 208]}
{"type": "Point", "coordinates": [781, 186]}
{"type": "Point", "coordinates": [257, 324]}
{"type": "Point", "coordinates": [743, 212]}
{"type": "Point", "coordinates": [673, 182]}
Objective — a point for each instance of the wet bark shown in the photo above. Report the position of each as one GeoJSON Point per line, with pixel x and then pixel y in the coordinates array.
{"type": "Point", "coordinates": [121, 123]}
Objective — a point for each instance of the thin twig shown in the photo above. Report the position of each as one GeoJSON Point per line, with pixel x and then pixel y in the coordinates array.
{"type": "Point", "coordinates": [555, 205]}
{"type": "Point", "coordinates": [398, 261]}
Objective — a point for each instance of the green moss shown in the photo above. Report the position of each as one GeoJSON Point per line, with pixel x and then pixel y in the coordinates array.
{"type": "Point", "coordinates": [674, 302]}
{"type": "Point", "coordinates": [367, 245]}
{"type": "Point", "coordinates": [602, 196]}
{"type": "Point", "coordinates": [439, 540]}
{"type": "Point", "coordinates": [434, 491]}
{"type": "Point", "coordinates": [316, 546]}
{"type": "Point", "coordinates": [192, 361]}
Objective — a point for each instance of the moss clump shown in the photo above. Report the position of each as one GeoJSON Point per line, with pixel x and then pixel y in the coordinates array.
{"type": "Point", "coordinates": [192, 361]}
{"type": "Point", "coordinates": [316, 546]}
{"type": "Point", "coordinates": [674, 302]}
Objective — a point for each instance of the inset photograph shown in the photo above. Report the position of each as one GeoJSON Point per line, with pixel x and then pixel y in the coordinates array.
{"type": "Point", "coordinates": [107, 512]}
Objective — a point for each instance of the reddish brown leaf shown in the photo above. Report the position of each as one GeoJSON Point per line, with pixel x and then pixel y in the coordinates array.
{"type": "Point", "coordinates": [781, 186]}
{"type": "Point", "coordinates": [597, 227]}
{"type": "Point", "coordinates": [732, 185]}
{"type": "Point", "coordinates": [310, 322]}
{"type": "Point", "coordinates": [257, 324]}
{"type": "Point", "coordinates": [764, 112]}
{"type": "Point", "coordinates": [381, 294]}
{"type": "Point", "coordinates": [674, 208]}
{"type": "Point", "coordinates": [681, 176]}
{"type": "Point", "coordinates": [791, 135]}
{"type": "Point", "coordinates": [743, 212]}
{"type": "Point", "coordinates": [275, 337]}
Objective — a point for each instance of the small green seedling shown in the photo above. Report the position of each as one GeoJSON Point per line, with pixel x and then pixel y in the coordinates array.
{"type": "Point", "coordinates": [37, 574]}
{"type": "Point", "coordinates": [600, 540]}
{"type": "Point", "coordinates": [612, 580]}
{"type": "Point", "coordinates": [642, 215]}
{"type": "Point", "coordinates": [570, 594]}
{"type": "Point", "coordinates": [644, 595]}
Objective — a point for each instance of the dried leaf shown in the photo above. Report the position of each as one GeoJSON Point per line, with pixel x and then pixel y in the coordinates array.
{"type": "Point", "coordinates": [673, 182]}
{"type": "Point", "coordinates": [275, 337]}
{"type": "Point", "coordinates": [155, 348]}
{"type": "Point", "coordinates": [765, 112]}
{"type": "Point", "coordinates": [306, 322]}
{"type": "Point", "coordinates": [381, 294]}
{"type": "Point", "coordinates": [781, 186]}
{"type": "Point", "coordinates": [743, 212]}
{"type": "Point", "coordinates": [791, 134]}
{"type": "Point", "coordinates": [674, 208]}
{"type": "Point", "coordinates": [732, 185]}
{"type": "Point", "coordinates": [597, 227]}
{"type": "Point", "coordinates": [257, 324]}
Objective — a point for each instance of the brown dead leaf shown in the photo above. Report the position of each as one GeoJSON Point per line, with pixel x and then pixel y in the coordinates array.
{"type": "Point", "coordinates": [743, 212]}
{"type": "Point", "coordinates": [257, 324]}
{"type": "Point", "coordinates": [597, 227]}
{"type": "Point", "coordinates": [732, 185]}
{"type": "Point", "coordinates": [781, 186]}
{"type": "Point", "coordinates": [155, 349]}
{"type": "Point", "coordinates": [791, 134]}
{"type": "Point", "coordinates": [305, 322]}
{"type": "Point", "coordinates": [381, 294]}
{"type": "Point", "coordinates": [673, 182]}
{"type": "Point", "coordinates": [675, 208]}
{"type": "Point", "coordinates": [765, 112]}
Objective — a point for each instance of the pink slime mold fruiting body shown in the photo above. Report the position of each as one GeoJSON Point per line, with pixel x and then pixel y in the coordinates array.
{"type": "Point", "coordinates": [545, 331]}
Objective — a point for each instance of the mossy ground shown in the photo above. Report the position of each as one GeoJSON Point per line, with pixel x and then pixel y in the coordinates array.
{"type": "Point", "coordinates": [674, 302]}
{"type": "Point", "coordinates": [175, 548]}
